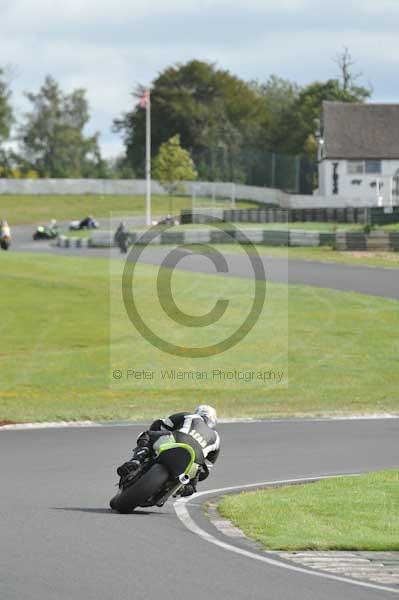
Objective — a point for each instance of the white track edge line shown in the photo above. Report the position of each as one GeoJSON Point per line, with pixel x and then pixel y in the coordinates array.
{"type": "Point", "coordinates": [248, 420]}
{"type": "Point", "coordinates": [184, 516]}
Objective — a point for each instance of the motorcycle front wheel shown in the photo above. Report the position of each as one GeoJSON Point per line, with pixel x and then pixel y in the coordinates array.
{"type": "Point", "coordinates": [138, 493]}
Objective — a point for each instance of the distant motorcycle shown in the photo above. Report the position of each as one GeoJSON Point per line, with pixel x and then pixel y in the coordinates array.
{"type": "Point", "coordinates": [5, 235]}
{"type": "Point", "coordinates": [156, 480]}
{"type": "Point", "coordinates": [5, 242]}
{"type": "Point", "coordinates": [87, 223]}
{"type": "Point", "coordinates": [46, 232]}
{"type": "Point", "coordinates": [168, 220]}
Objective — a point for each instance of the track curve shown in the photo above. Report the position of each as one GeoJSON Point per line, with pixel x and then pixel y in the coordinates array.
{"type": "Point", "coordinates": [60, 540]}
{"type": "Point", "coordinates": [374, 281]}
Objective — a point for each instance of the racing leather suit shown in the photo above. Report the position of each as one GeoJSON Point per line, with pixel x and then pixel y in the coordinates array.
{"type": "Point", "coordinates": [185, 428]}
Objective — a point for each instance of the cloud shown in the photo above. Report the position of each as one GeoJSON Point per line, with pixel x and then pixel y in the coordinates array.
{"type": "Point", "coordinates": [109, 48]}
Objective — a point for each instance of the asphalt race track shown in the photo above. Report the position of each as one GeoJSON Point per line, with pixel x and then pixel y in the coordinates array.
{"type": "Point", "coordinates": [59, 540]}
{"type": "Point", "coordinates": [365, 280]}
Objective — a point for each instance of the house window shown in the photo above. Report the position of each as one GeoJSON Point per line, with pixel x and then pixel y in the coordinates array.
{"type": "Point", "coordinates": [355, 167]}
{"type": "Point", "coordinates": [373, 166]}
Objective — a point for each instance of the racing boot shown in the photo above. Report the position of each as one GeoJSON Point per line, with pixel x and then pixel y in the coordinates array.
{"type": "Point", "coordinates": [139, 455]}
{"type": "Point", "coordinates": [188, 490]}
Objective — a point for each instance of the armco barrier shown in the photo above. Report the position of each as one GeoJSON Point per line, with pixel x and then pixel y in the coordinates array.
{"type": "Point", "coordinates": [360, 215]}
{"type": "Point", "coordinates": [374, 241]}
{"type": "Point", "coordinates": [203, 236]}
{"type": "Point", "coordinates": [356, 241]}
{"type": "Point", "coordinates": [72, 242]}
{"type": "Point", "coordinates": [304, 238]}
{"type": "Point", "coordinates": [102, 239]}
{"type": "Point", "coordinates": [276, 238]}
{"type": "Point", "coordinates": [326, 239]}
{"type": "Point", "coordinates": [200, 236]}
{"type": "Point", "coordinates": [201, 216]}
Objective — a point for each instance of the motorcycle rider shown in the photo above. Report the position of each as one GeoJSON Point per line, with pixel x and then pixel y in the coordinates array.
{"type": "Point", "coordinates": [5, 235]}
{"type": "Point", "coordinates": [121, 237]}
{"type": "Point", "coordinates": [195, 429]}
{"type": "Point", "coordinates": [5, 231]}
{"type": "Point", "coordinates": [88, 223]}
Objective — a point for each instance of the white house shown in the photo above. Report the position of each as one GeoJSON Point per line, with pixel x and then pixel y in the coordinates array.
{"type": "Point", "coordinates": [359, 152]}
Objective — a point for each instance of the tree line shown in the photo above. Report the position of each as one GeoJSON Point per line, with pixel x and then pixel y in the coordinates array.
{"type": "Point", "coordinates": [230, 127]}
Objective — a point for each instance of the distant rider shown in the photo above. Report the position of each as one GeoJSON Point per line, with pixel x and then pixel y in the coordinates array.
{"type": "Point", "coordinates": [195, 429]}
{"type": "Point", "coordinates": [121, 237]}
{"type": "Point", "coordinates": [5, 231]}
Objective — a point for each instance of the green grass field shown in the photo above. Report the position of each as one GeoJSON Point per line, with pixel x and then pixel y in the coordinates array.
{"type": "Point", "coordinates": [324, 254]}
{"type": "Point", "coordinates": [36, 209]}
{"type": "Point", "coordinates": [55, 333]}
{"type": "Point", "coordinates": [347, 513]}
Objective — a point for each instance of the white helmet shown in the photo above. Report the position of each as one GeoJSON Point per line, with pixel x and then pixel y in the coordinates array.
{"type": "Point", "coordinates": [208, 413]}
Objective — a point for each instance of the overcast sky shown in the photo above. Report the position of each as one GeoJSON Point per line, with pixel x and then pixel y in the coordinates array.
{"type": "Point", "coordinates": [109, 47]}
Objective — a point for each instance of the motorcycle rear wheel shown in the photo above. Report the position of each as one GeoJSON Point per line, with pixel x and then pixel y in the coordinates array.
{"type": "Point", "coordinates": [135, 495]}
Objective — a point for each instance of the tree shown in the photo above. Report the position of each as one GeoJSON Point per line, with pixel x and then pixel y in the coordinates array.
{"type": "Point", "coordinates": [216, 115]}
{"type": "Point", "coordinates": [348, 77]}
{"type": "Point", "coordinates": [310, 100]}
{"type": "Point", "coordinates": [6, 113]}
{"type": "Point", "coordinates": [300, 123]}
{"type": "Point", "coordinates": [52, 137]}
{"type": "Point", "coordinates": [6, 122]}
{"type": "Point", "coordinates": [280, 96]}
{"type": "Point", "coordinates": [172, 166]}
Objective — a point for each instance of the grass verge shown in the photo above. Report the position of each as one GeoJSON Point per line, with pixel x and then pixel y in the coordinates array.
{"type": "Point", "coordinates": [19, 210]}
{"type": "Point", "coordinates": [323, 254]}
{"type": "Point", "coordinates": [54, 361]}
{"type": "Point", "coordinates": [347, 513]}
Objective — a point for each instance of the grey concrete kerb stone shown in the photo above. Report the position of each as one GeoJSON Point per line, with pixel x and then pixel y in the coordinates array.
{"type": "Point", "coordinates": [374, 567]}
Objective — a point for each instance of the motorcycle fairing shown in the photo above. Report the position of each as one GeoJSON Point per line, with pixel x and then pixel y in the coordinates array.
{"type": "Point", "coordinates": [178, 458]}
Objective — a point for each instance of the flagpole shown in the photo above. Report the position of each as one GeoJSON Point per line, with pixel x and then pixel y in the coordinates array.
{"type": "Point", "coordinates": [148, 159]}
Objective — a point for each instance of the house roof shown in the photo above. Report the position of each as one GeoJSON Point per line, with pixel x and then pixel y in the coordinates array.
{"type": "Point", "coordinates": [360, 131]}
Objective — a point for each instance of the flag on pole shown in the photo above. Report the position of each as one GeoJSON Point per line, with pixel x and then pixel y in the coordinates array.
{"type": "Point", "coordinates": [145, 102]}
{"type": "Point", "coordinates": [144, 99]}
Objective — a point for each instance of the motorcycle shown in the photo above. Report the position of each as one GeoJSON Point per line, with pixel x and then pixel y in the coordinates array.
{"type": "Point", "coordinates": [5, 242]}
{"type": "Point", "coordinates": [45, 232]}
{"type": "Point", "coordinates": [166, 221]}
{"type": "Point", "coordinates": [87, 223]}
{"type": "Point", "coordinates": [165, 475]}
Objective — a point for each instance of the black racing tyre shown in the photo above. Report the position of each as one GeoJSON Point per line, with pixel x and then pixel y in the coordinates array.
{"type": "Point", "coordinates": [127, 500]}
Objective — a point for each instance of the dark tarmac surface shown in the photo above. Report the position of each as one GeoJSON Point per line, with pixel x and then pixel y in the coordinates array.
{"type": "Point", "coordinates": [365, 280]}
{"type": "Point", "coordinates": [60, 541]}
